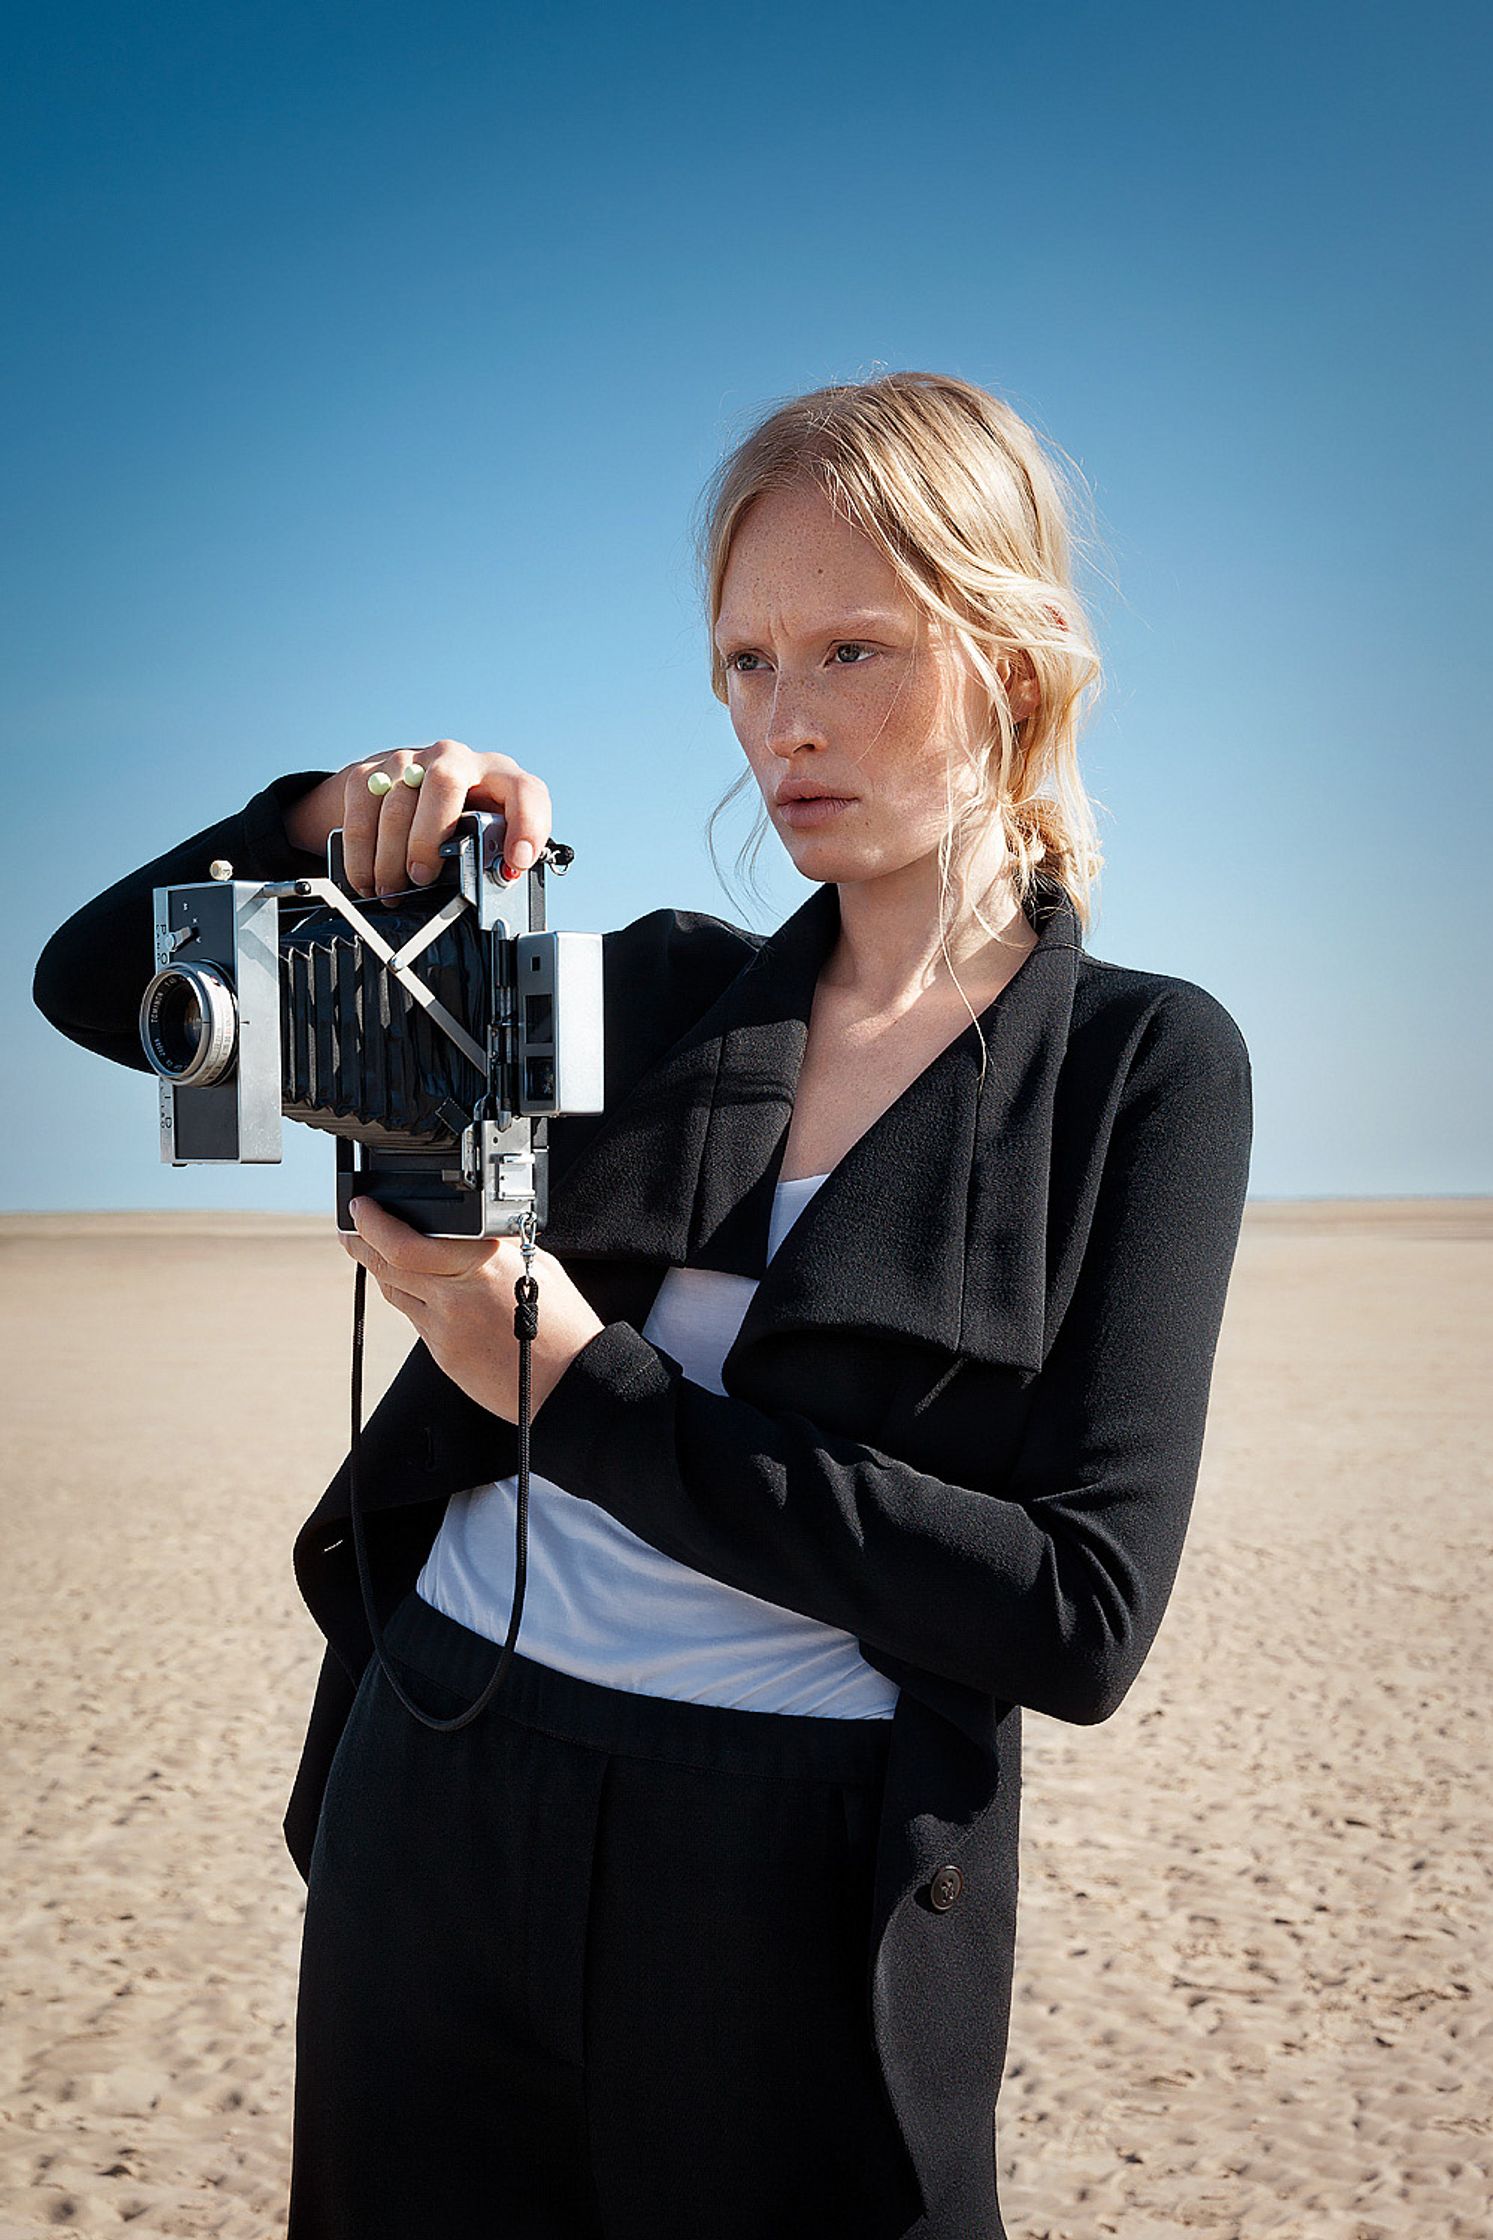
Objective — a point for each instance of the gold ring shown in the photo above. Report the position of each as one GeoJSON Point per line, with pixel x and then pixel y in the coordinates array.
{"type": "Point", "coordinates": [379, 783]}
{"type": "Point", "coordinates": [413, 773]}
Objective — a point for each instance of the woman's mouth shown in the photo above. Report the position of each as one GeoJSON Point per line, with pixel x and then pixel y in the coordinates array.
{"type": "Point", "coordinates": [818, 808]}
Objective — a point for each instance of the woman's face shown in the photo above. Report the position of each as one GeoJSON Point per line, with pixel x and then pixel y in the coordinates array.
{"type": "Point", "coordinates": [832, 679]}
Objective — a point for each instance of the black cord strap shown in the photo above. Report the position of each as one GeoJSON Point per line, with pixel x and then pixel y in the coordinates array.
{"type": "Point", "coordinates": [525, 1329]}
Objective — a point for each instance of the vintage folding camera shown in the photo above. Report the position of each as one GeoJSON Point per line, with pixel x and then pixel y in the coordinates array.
{"type": "Point", "coordinates": [432, 1033]}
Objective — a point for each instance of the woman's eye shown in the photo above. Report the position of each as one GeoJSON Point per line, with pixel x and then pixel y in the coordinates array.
{"type": "Point", "coordinates": [853, 648]}
{"type": "Point", "coordinates": [735, 660]}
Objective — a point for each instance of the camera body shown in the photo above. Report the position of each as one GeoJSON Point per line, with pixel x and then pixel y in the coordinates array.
{"type": "Point", "coordinates": [432, 1033]}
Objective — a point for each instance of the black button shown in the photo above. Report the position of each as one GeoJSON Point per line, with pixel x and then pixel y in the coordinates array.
{"type": "Point", "coordinates": [944, 1889]}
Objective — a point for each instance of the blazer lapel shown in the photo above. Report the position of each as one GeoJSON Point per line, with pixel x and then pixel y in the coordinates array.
{"type": "Point", "coordinates": [932, 1227]}
{"type": "Point", "coordinates": [719, 1101]}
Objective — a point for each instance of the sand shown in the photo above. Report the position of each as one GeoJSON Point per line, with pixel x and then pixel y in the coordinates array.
{"type": "Point", "coordinates": [1252, 1996]}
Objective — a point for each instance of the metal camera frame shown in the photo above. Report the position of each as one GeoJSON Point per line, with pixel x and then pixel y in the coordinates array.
{"type": "Point", "coordinates": [217, 947]}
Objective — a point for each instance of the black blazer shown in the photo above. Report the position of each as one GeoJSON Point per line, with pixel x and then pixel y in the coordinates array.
{"type": "Point", "coordinates": [963, 1415]}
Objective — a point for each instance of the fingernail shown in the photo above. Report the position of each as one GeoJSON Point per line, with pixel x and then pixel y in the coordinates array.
{"type": "Point", "coordinates": [523, 854]}
{"type": "Point", "coordinates": [419, 876]}
{"type": "Point", "coordinates": [355, 1207]}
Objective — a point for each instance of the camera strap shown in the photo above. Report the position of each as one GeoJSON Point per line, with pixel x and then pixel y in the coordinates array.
{"type": "Point", "coordinates": [525, 1329]}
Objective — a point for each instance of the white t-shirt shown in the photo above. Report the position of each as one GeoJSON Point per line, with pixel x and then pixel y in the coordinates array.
{"type": "Point", "coordinates": [607, 1606]}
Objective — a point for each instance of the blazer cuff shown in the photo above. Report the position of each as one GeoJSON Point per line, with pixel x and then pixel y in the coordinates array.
{"type": "Point", "coordinates": [270, 853]}
{"type": "Point", "coordinates": [615, 1373]}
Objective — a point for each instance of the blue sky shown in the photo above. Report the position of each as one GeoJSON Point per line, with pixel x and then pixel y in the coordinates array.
{"type": "Point", "coordinates": [363, 364]}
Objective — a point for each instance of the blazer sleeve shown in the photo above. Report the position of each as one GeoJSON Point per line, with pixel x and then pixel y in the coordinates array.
{"type": "Point", "coordinates": [1047, 1588]}
{"type": "Point", "coordinates": [91, 975]}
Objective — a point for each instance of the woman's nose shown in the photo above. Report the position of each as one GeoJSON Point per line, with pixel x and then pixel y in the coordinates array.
{"type": "Point", "coordinates": [793, 720]}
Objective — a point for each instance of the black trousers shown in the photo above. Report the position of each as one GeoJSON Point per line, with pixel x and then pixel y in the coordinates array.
{"type": "Point", "coordinates": [594, 1967]}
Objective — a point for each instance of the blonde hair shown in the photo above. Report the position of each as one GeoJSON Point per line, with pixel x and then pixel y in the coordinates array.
{"type": "Point", "coordinates": [961, 497]}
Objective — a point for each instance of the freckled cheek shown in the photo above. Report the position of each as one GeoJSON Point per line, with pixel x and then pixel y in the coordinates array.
{"type": "Point", "coordinates": [891, 742]}
{"type": "Point", "coordinates": [747, 722]}
{"type": "Point", "coordinates": [751, 733]}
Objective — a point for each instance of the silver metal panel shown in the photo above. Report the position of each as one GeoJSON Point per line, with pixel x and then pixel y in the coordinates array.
{"type": "Point", "coordinates": [257, 984]}
{"type": "Point", "coordinates": [579, 1082]}
{"type": "Point", "coordinates": [234, 925]}
{"type": "Point", "coordinates": [559, 985]}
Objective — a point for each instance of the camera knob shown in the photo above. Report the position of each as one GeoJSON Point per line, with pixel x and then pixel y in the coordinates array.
{"type": "Point", "coordinates": [220, 868]}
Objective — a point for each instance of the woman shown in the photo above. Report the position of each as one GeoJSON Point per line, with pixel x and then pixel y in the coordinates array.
{"type": "Point", "coordinates": [877, 1318]}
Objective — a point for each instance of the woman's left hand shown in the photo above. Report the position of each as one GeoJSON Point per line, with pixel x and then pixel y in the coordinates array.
{"type": "Point", "coordinates": [458, 1293]}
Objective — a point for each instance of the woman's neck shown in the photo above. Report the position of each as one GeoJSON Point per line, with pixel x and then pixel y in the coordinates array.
{"type": "Point", "coordinates": [887, 955]}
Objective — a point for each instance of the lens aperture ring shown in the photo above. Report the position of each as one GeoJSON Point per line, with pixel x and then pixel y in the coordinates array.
{"type": "Point", "coordinates": [189, 1025]}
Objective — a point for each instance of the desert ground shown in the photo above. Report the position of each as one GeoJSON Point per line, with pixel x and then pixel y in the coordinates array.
{"type": "Point", "coordinates": [1252, 1989]}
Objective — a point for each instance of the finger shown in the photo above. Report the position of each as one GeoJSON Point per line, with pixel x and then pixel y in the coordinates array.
{"type": "Point", "coordinates": [386, 1275]}
{"type": "Point", "coordinates": [359, 828]}
{"type": "Point", "coordinates": [407, 1303]}
{"type": "Point", "coordinates": [525, 803]}
{"type": "Point", "coordinates": [405, 1251]}
{"type": "Point", "coordinates": [396, 813]}
{"type": "Point", "coordinates": [366, 1256]}
{"type": "Point", "coordinates": [449, 770]}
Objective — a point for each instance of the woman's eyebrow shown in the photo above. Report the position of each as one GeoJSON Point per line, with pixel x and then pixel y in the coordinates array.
{"type": "Point", "coordinates": [852, 623]}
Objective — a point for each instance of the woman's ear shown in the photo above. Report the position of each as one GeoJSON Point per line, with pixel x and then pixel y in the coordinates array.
{"type": "Point", "coordinates": [1019, 676]}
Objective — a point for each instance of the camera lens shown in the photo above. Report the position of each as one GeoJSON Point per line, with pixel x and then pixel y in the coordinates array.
{"type": "Point", "coordinates": [189, 1025]}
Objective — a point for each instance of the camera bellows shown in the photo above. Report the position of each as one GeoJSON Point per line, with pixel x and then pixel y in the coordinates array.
{"type": "Point", "coordinates": [360, 1055]}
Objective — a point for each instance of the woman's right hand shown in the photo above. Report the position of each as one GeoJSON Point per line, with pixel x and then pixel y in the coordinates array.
{"type": "Point", "coordinates": [392, 841]}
